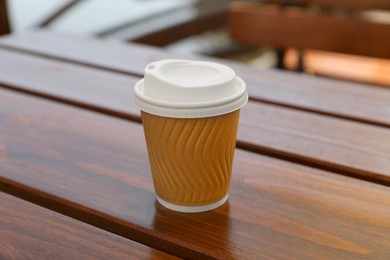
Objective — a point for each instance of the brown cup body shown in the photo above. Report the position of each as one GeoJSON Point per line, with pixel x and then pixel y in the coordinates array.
{"type": "Point", "coordinates": [191, 158]}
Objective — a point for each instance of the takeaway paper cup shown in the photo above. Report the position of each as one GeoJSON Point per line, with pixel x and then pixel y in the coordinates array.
{"type": "Point", "coordinates": [190, 112]}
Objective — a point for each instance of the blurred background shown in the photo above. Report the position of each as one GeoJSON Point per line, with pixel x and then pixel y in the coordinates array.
{"type": "Point", "coordinates": [345, 39]}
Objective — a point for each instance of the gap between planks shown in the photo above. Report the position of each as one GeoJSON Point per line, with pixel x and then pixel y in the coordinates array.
{"type": "Point", "coordinates": [102, 220]}
{"type": "Point", "coordinates": [263, 150]}
{"type": "Point", "coordinates": [135, 74]}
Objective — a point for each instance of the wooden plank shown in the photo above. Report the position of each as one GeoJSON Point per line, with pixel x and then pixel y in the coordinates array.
{"type": "Point", "coordinates": [32, 232]}
{"type": "Point", "coordinates": [77, 85]}
{"type": "Point", "coordinates": [357, 102]}
{"type": "Point", "coordinates": [327, 143]}
{"type": "Point", "coordinates": [333, 144]}
{"type": "Point", "coordinates": [292, 27]}
{"type": "Point", "coordinates": [95, 168]}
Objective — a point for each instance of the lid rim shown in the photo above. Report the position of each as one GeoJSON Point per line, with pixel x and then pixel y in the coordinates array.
{"type": "Point", "coordinates": [138, 93]}
{"type": "Point", "coordinates": [199, 112]}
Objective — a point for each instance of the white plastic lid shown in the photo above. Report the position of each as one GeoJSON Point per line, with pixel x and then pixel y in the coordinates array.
{"type": "Point", "coordinates": [189, 89]}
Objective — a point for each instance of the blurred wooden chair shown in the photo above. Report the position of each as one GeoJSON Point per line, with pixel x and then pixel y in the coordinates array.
{"type": "Point", "coordinates": [322, 25]}
{"type": "Point", "coordinates": [62, 8]}
{"type": "Point", "coordinates": [4, 22]}
{"type": "Point", "coordinates": [178, 20]}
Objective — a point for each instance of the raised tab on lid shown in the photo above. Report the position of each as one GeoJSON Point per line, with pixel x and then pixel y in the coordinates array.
{"type": "Point", "coordinates": [181, 81]}
{"type": "Point", "coordinates": [173, 87]}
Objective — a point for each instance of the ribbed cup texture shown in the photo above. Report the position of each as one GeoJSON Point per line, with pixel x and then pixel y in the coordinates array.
{"type": "Point", "coordinates": [191, 159]}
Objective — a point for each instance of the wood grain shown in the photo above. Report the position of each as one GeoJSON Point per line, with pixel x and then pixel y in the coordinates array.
{"type": "Point", "coordinates": [363, 103]}
{"type": "Point", "coordinates": [258, 24]}
{"type": "Point", "coordinates": [347, 148]}
{"type": "Point", "coordinates": [32, 232]}
{"type": "Point", "coordinates": [95, 168]}
{"type": "Point", "coordinates": [323, 142]}
{"type": "Point", "coordinates": [77, 85]}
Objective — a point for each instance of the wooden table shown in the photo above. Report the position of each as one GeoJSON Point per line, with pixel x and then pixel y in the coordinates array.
{"type": "Point", "coordinates": [311, 174]}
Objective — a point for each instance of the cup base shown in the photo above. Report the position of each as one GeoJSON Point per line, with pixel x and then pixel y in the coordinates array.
{"type": "Point", "coordinates": [192, 209]}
